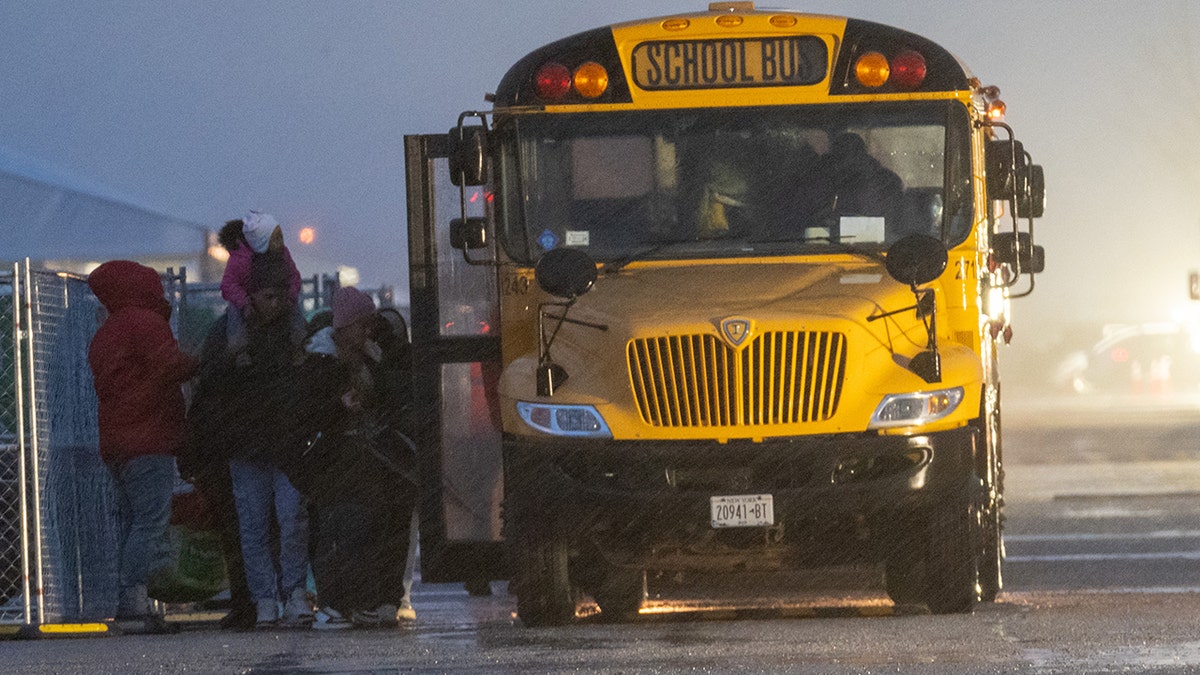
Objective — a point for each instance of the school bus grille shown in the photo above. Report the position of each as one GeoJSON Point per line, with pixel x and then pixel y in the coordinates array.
{"type": "Point", "coordinates": [699, 381]}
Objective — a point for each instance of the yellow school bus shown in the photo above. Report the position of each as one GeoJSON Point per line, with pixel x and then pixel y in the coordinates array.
{"type": "Point", "coordinates": [719, 293]}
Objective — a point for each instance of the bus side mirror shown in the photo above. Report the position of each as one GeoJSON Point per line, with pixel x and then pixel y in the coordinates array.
{"type": "Point", "coordinates": [916, 259]}
{"type": "Point", "coordinates": [1032, 201]}
{"type": "Point", "coordinates": [1016, 248]}
{"type": "Point", "coordinates": [1003, 174]}
{"type": "Point", "coordinates": [470, 233]}
{"type": "Point", "coordinates": [467, 155]}
{"type": "Point", "coordinates": [565, 272]}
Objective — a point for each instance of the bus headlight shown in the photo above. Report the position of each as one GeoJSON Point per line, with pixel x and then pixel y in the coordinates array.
{"type": "Point", "coordinates": [922, 407]}
{"type": "Point", "coordinates": [564, 420]}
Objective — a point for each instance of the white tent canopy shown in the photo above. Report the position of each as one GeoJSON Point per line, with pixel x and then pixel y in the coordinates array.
{"type": "Point", "coordinates": [44, 216]}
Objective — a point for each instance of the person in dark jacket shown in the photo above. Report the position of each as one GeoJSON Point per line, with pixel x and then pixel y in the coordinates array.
{"type": "Point", "coordinates": [137, 368]}
{"type": "Point", "coordinates": [359, 473]}
{"type": "Point", "coordinates": [243, 398]}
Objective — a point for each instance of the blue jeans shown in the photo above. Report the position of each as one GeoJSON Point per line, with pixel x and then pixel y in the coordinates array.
{"type": "Point", "coordinates": [257, 488]}
{"type": "Point", "coordinates": [144, 486]}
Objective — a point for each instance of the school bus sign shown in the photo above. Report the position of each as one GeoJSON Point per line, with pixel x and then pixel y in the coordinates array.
{"type": "Point", "coordinates": [706, 64]}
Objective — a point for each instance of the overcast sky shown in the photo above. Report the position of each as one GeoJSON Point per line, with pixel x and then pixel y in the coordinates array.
{"type": "Point", "coordinates": [203, 109]}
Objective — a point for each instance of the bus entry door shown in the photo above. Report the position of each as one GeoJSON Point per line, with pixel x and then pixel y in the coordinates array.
{"type": "Point", "coordinates": [456, 368]}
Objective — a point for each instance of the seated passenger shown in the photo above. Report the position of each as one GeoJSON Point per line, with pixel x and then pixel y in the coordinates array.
{"type": "Point", "coordinates": [859, 184]}
{"type": "Point", "coordinates": [725, 188]}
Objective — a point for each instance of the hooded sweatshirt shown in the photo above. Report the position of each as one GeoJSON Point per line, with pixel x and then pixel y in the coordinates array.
{"type": "Point", "coordinates": [137, 366]}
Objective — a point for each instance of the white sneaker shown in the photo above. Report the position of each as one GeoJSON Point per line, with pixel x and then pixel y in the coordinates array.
{"type": "Point", "coordinates": [297, 612]}
{"type": "Point", "coordinates": [328, 618]}
{"type": "Point", "coordinates": [268, 613]}
{"type": "Point", "coordinates": [405, 612]}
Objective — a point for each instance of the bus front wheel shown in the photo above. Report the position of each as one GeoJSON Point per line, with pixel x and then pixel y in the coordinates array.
{"type": "Point", "coordinates": [620, 595]}
{"type": "Point", "coordinates": [545, 596]}
{"type": "Point", "coordinates": [951, 559]}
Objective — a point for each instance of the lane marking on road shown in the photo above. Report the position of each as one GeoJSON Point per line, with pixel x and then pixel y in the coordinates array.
{"type": "Point", "coordinates": [1104, 536]}
{"type": "Point", "coordinates": [1098, 557]}
{"type": "Point", "coordinates": [1027, 595]}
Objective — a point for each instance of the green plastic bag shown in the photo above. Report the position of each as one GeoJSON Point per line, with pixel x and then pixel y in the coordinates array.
{"type": "Point", "coordinates": [197, 569]}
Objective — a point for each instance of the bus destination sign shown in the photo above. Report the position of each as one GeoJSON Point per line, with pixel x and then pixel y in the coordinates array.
{"type": "Point", "coordinates": [711, 64]}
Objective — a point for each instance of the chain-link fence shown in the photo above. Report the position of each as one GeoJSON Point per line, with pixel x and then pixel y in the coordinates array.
{"type": "Point", "coordinates": [58, 532]}
{"type": "Point", "coordinates": [197, 305]}
{"type": "Point", "coordinates": [57, 509]}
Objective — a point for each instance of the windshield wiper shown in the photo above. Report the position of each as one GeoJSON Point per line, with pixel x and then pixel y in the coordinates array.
{"type": "Point", "coordinates": [843, 247]}
{"type": "Point", "coordinates": [620, 263]}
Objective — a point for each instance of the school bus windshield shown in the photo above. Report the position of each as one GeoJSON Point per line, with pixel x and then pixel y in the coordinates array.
{"type": "Point", "coordinates": [731, 182]}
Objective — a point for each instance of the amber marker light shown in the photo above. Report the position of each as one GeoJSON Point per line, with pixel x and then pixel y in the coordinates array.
{"type": "Point", "coordinates": [996, 110]}
{"type": "Point", "coordinates": [872, 69]}
{"type": "Point", "coordinates": [591, 80]}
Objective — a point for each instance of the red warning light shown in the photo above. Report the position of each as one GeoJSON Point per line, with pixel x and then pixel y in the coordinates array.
{"type": "Point", "coordinates": [552, 81]}
{"type": "Point", "coordinates": [908, 69]}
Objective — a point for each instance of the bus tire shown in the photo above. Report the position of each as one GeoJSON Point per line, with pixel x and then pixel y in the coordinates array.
{"type": "Point", "coordinates": [991, 533]}
{"type": "Point", "coordinates": [904, 571]}
{"type": "Point", "coordinates": [620, 595]}
{"type": "Point", "coordinates": [545, 596]}
{"type": "Point", "coordinates": [951, 559]}
{"type": "Point", "coordinates": [991, 556]}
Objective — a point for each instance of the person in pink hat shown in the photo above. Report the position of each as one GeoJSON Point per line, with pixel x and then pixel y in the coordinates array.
{"type": "Point", "coordinates": [359, 476]}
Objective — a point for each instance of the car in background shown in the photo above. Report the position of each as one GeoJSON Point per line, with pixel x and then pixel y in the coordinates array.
{"type": "Point", "coordinates": [1143, 358]}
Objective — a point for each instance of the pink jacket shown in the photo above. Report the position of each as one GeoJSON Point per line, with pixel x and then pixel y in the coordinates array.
{"type": "Point", "coordinates": [236, 279]}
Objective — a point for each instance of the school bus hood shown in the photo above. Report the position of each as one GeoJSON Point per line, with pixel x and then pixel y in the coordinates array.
{"type": "Point", "coordinates": [667, 326]}
{"type": "Point", "coordinates": [661, 297]}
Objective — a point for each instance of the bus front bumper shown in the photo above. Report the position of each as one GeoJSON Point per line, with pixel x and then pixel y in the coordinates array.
{"type": "Point", "coordinates": [835, 499]}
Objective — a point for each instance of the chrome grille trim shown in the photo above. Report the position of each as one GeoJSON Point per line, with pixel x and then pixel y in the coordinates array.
{"type": "Point", "coordinates": [779, 377]}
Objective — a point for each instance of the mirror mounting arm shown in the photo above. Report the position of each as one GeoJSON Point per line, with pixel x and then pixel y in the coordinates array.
{"type": "Point", "coordinates": [471, 261]}
{"type": "Point", "coordinates": [563, 273]}
{"type": "Point", "coordinates": [550, 375]}
{"type": "Point", "coordinates": [468, 166]}
{"type": "Point", "coordinates": [928, 364]}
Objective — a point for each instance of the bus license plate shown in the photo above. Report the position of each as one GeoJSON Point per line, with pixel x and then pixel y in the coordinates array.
{"type": "Point", "coordinates": [742, 510]}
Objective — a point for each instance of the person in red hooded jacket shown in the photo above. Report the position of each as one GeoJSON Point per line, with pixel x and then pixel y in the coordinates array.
{"type": "Point", "coordinates": [137, 369]}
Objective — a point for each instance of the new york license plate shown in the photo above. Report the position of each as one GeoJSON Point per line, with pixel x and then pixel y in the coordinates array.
{"type": "Point", "coordinates": [742, 510]}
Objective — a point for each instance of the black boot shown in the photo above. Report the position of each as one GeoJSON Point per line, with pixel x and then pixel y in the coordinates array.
{"type": "Point", "coordinates": [241, 617]}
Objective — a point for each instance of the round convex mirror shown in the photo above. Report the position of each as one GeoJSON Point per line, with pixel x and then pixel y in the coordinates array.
{"type": "Point", "coordinates": [565, 272]}
{"type": "Point", "coordinates": [916, 259]}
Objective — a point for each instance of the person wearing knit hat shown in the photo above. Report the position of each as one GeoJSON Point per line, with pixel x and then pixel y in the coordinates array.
{"type": "Point", "coordinates": [359, 477]}
{"type": "Point", "coordinates": [255, 234]}
{"type": "Point", "coordinates": [351, 305]}
{"type": "Point", "coordinates": [257, 228]}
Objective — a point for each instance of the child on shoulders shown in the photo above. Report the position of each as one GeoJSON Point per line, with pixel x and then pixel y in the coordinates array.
{"type": "Point", "coordinates": [256, 234]}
